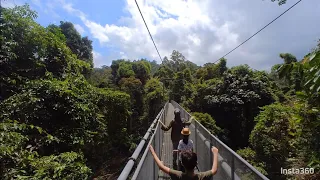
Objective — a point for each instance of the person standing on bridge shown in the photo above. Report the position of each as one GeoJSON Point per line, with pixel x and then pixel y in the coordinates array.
{"type": "Point", "coordinates": [189, 161]}
{"type": "Point", "coordinates": [185, 144]}
{"type": "Point", "coordinates": [177, 125]}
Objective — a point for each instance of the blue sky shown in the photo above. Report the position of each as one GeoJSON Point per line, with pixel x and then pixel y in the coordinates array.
{"type": "Point", "coordinates": [101, 11]}
{"type": "Point", "coordinates": [203, 30]}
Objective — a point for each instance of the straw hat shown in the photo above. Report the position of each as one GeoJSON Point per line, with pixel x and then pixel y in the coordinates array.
{"type": "Point", "coordinates": [185, 131]}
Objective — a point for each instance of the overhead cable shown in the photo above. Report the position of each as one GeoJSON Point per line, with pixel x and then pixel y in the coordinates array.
{"type": "Point", "coordinates": [148, 31]}
{"type": "Point", "coordinates": [258, 31]}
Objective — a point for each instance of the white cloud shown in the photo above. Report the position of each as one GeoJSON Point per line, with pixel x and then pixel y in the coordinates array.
{"type": "Point", "coordinates": [98, 59]}
{"type": "Point", "coordinates": [79, 28]}
{"type": "Point", "coordinates": [10, 3]}
{"type": "Point", "coordinates": [69, 8]}
{"type": "Point", "coordinates": [37, 3]}
{"type": "Point", "coordinates": [123, 55]}
{"type": "Point", "coordinates": [204, 30]}
{"type": "Point", "coordinates": [47, 7]}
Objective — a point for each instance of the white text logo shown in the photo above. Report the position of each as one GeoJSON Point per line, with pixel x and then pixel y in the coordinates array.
{"type": "Point", "coordinates": [297, 171]}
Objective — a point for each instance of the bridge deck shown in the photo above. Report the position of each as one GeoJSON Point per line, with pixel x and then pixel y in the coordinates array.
{"type": "Point", "coordinates": [166, 155]}
{"type": "Point", "coordinates": [167, 150]}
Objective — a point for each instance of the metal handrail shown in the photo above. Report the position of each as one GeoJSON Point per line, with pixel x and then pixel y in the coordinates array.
{"type": "Point", "coordinates": [128, 168]}
{"type": "Point", "coordinates": [136, 173]}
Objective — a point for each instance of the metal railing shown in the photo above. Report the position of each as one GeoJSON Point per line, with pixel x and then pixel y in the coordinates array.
{"type": "Point", "coordinates": [146, 167]}
{"type": "Point", "coordinates": [230, 165]}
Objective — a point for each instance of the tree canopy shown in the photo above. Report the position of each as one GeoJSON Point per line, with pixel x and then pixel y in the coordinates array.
{"type": "Point", "coordinates": [60, 118]}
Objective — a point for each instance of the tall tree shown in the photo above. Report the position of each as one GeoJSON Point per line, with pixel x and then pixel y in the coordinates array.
{"type": "Point", "coordinates": [134, 88]}
{"type": "Point", "coordinates": [142, 70]}
{"type": "Point", "coordinates": [178, 87]}
{"type": "Point", "coordinates": [154, 67]}
{"type": "Point", "coordinates": [154, 98]}
{"type": "Point", "coordinates": [235, 101]}
{"type": "Point", "coordinates": [28, 50]}
{"type": "Point", "coordinates": [222, 66]}
{"type": "Point", "coordinates": [53, 123]}
{"type": "Point", "coordinates": [102, 77]}
{"type": "Point", "coordinates": [82, 47]}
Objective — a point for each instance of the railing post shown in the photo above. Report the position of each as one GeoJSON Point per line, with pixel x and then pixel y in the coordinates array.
{"type": "Point", "coordinates": [154, 164]}
{"type": "Point", "coordinates": [158, 131]}
{"type": "Point", "coordinates": [195, 135]}
{"type": "Point", "coordinates": [232, 167]}
{"type": "Point", "coordinates": [211, 157]}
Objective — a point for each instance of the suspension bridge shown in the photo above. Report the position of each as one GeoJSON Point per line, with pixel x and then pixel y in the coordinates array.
{"type": "Point", "coordinates": [141, 164]}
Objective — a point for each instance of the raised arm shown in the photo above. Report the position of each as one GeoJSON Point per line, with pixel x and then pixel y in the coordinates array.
{"type": "Point", "coordinates": [215, 160]}
{"type": "Point", "coordinates": [166, 128]}
{"type": "Point", "coordinates": [159, 163]}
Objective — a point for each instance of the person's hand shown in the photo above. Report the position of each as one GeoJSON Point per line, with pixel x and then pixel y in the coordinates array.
{"type": "Point", "coordinates": [151, 149]}
{"type": "Point", "coordinates": [214, 149]}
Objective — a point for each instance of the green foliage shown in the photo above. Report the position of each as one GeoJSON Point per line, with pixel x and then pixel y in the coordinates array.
{"type": "Point", "coordinates": [251, 157]}
{"type": "Point", "coordinates": [208, 122]}
{"type": "Point", "coordinates": [80, 116]}
{"type": "Point", "coordinates": [198, 102]}
{"type": "Point", "coordinates": [68, 165]}
{"type": "Point", "coordinates": [21, 151]}
{"type": "Point", "coordinates": [242, 70]}
{"type": "Point", "coordinates": [187, 75]}
{"type": "Point", "coordinates": [222, 66]}
{"type": "Point", "coordinates": [304, 74]}
{"type": "Point", "coordinates": [178, 87]}
{"type": "Point", "coordinates": [177, 61]}
{"type": "Point", "coordinates": [66, 128]}
{"type": "Point", "coordinates": [292, 71]}
{"type": "Point", "coordinates": [142, 70]}
{"type": "Point", "coordinates": [125, 70]}
{"type": "Point", "coordinates": [81, 47]}
{"type": "Point", "coordinates": [288, 58]}
{"type": "Point", "coordinates": [154, 67]}
{"type": "Point", "coordinates": [122, 69]}
{"type": "Point", "coordinates": [130, 78]}
{"type": "Point", "coordinates": [313, 73]}
{"type": "Point", "coordinates": [273, 136]}
{"type": "Point", "coordinates": [134, 88]}
{"type": "Point", "coordinates": [277, 82]}
{"type": "Point", "coordinates": [192, 66]}
{"type": "Point", "coordinates": [163, 73]}
{"type": "Point", "coordinates": [235, 101]}
{"type": "Point", "coordinates": [212, 72]}
{"type": "Point", "coordinates": [28, 50]}
{"type": "Point", "coordinates": [154, 98]}
{"type": "Point", "coordinates": [57, 32]}
{"type": "Point", "coordinates": [101, 77]}
{"type": "Point", "coordinates": [201, 73]}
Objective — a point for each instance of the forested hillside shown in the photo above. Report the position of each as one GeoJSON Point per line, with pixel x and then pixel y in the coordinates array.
{"type": "Point", "coordinates": [61, 118]}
